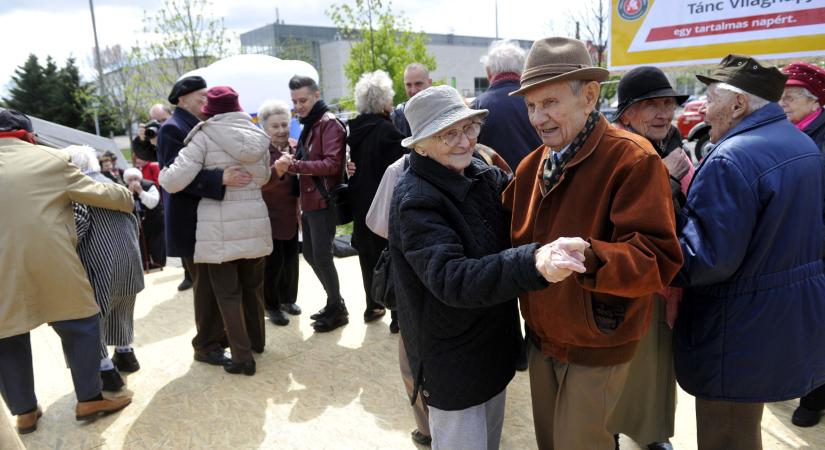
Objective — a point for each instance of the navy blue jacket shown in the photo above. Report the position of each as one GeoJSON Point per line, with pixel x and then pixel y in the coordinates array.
{"type": "Point", "coordinates": [816, 130]}
{"type": "Point", "coordinates": [181, 209]}
{"type": "Point", "coordinates": [456, 279]}
{"type": "Point", "coordinates": [507, 128]}
{"type": "Point", "coordinates": [750, 324]}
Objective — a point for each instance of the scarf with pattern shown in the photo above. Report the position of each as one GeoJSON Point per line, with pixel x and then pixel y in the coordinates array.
{"type": "Point", "coordinates": [555, 164]}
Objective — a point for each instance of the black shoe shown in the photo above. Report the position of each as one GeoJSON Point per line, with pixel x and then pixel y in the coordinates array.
{"type": "Point", "coordinates": [215, 358]}
{"type": "Point", "coordinates": [112, 381]}
{"type": "Point", "coordinates": [292, 309]}
{"type": "Point", "coordinates": [420, 438]}
{"type": "Point", "coordinates": [246, 368]}
{"type": "Point", "coordinates": [185, 284]}
{"type": "Point", "coordinates": [804, 417]}
{"type": "Point", "coordinates": [374, 314]}
{"type": "Point", "coordinates": [335, 317]}
{"type": "Point", "coordinates": [660, 446]}
{"type": "Point", "coordinates": [616, 438]}
{"type": "Point", "coordinates": [126, 361]}
{"type": "Point", "coordinates": [278, 318]}
{"type": "Point", "coordinates": [521, 359]}
{"type": "Point", "coordinates": [394, 326]}
{"type": "Point", "coordinates": [320, 314]}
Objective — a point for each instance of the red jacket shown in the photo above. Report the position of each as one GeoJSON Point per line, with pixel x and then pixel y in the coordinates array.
{"type": "Point", "coordinates": [150, 172]}
{"type": "Point", "coordinates": [280, 202]}
{"type": "Point", "coordinates": [326, 146]}
{"type": "Point", "coordinates": [615, 194]}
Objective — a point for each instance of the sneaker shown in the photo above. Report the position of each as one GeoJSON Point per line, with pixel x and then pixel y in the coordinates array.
{"type": "Point", "coordinates": [126, 361]}
{"type": "Point", "coordinates": [112, 381]}
{"type": "Point", "coordinates": [804, 417]}
{"type": "Point", "coordinates": [185, 284]}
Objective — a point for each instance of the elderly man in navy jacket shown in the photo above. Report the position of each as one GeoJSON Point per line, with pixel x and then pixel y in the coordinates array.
{"type": "Point", "coordinates": [749, 328]}
{"type": "Point", "coordinates": [181, 209]}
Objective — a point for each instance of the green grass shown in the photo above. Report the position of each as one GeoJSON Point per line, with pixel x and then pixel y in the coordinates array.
{"type": "Point", "coordinates": [343, 230]}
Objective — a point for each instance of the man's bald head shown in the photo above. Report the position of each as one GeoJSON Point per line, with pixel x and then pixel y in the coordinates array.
{"type": "Point", "coordinates": [160, 112]}
{"type": "Point", "coordinates": [416, 79]}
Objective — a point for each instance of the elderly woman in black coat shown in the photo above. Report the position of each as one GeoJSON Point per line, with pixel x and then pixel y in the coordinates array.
{"type": "Point", "coordinates": [374, 144]}
{"type": "Point", "coordinates": [456, 277]}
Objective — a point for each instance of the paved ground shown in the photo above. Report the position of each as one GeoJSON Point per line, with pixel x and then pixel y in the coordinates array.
{"type": "Point", "coordinates": [340, 390]}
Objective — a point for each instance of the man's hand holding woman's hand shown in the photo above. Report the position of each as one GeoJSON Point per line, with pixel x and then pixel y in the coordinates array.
{"type": "Point", "coordinates": [559, 259]}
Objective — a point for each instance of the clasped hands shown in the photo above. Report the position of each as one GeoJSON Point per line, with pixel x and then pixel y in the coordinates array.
{"type": "Point", "coordinates": [559, 259]}
{"type": "Point", "coordinates": [281, 165]}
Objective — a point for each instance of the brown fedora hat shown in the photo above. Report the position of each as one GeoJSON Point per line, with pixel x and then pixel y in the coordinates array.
{"type": "Point", "coordinates": [558, 59]}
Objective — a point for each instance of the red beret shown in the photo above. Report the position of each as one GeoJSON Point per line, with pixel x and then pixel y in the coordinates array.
{"type": "Point", "coordinates": [808, 76]}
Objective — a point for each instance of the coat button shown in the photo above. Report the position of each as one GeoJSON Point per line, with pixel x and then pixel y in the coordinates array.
{"type": "Point", "coordinates": [426, 394]}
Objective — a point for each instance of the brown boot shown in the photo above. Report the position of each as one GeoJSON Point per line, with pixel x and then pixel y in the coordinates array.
{"type": "Point", "coordinates": [26, 423]}
{"type": "Point", "coordinates": [92, 410]}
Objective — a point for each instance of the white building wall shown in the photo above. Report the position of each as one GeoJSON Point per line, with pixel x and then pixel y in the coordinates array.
{"type": "Point", "coordinates": [458, 64]}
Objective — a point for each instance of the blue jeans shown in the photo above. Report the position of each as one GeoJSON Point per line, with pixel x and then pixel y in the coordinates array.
{"type": "Point", "coordinates": [81, 345]}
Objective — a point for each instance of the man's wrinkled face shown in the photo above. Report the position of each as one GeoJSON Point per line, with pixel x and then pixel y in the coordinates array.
{"type": "Point", "coordinates": [193, 102]}
{"type": "Point", "coordinates": [558, 113]}
{"type": "Point", "coordinates": [651, 117]}
{"type": "Point", "coordinates": [159, 114]}
{"type": "Point", "coordinates": [415, 81]}
{"type": "Point", "coordinates": [304, 99]}
{"type": "Point", "coordinates": [722, 111]}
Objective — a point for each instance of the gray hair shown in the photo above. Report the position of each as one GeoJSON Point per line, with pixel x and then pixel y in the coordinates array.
{"type": "Point", "coordinates": [373, 92]}
{"type": "Point", "coordinates": [754, 101]}
{"type": "Point", "coordinates": [84, 157]}
{"type": "Point", "coordinates": [504, 56]}
{"type": "Point", "coordinates": [803, 92]}
{"type": "Point", "coordinates": [271, 108]}
{"type": "Point", "coordinates": [417, 66]}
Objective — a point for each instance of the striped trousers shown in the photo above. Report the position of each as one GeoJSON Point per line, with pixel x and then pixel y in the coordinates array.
{"type": "Point", "coordinates": [117, 328]}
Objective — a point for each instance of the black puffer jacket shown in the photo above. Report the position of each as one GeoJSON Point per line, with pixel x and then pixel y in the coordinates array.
{"type": "Point", "coordinates": [456, 280]}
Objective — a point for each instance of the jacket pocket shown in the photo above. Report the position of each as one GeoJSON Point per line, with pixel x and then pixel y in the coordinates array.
{"type": "Point", "coordinates": [603, 313]}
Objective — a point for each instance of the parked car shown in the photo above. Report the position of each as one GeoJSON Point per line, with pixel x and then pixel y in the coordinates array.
{"type": "Point", "coordinates": [692, 126]}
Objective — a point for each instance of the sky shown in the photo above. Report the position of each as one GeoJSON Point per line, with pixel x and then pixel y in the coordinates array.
{"type": "Point", "coordinates": [63, 28]}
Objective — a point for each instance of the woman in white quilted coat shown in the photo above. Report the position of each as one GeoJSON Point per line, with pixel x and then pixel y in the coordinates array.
{"type": "Point", "coordinates": [233, 235]}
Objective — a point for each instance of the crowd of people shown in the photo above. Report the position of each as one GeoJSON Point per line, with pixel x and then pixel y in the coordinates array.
{"type": "Point", "coordinates": [632, 268]}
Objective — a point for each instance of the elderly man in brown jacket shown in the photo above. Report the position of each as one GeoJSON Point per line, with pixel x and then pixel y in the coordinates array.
{"type": "Point", "coordinates": [609, 187]}
{"type": "Point", "coordinates": [42, 280]}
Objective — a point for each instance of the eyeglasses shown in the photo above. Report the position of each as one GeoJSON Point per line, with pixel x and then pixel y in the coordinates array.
{"type": "Point", "coordinates": [453, 137]}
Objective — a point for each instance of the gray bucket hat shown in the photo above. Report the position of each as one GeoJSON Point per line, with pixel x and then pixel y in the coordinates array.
{"type": "Point", "coordinates": [435, 109]}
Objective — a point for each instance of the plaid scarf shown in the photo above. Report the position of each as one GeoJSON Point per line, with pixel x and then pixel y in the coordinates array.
{"type": "Point", "coordinates": [555, 164]}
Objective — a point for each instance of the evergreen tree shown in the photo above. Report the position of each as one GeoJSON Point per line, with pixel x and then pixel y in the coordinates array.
{"type": "Point", "coordinates": [71, 96]}
{"type": "Point", "coordinates": [25, 94]}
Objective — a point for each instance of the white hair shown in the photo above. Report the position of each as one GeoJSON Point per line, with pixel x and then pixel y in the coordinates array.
{"type": "Point", "coordinates": [132, 172]}
{"type": "Point", "coordinates": [803, 92]}
{"type": "Point", "coordinates": [84, 157]}
{"type": "Point", "coordinates": [504, 56]}
{"type": "Point", "coordinates": [754, 101]}
{"type": "Point", "coordinates": [373, 92]}
{"type": "Point", "coordinates": [271, 108]}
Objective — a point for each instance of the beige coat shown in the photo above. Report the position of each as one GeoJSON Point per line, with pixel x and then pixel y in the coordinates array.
{"type": "Point", "coordinates": [42, 279]}
{"type": "Point", "coordinates": [236, 227]}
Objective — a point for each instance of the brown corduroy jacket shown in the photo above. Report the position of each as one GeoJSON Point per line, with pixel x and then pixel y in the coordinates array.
{"type": "Point", "coordinates": [615, 194]}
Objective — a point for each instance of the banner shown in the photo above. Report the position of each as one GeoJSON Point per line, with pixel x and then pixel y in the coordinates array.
{"type": "Point", "coordinates": [682, 32]}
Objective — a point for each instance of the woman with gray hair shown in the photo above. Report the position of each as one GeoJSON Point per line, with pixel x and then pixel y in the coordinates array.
{"type": "Point", "coordinates": [107, 244]}
{"type": "Point", "coordinates": [281, 266]}
{"type": "Point", "coordinates": [374, 144]}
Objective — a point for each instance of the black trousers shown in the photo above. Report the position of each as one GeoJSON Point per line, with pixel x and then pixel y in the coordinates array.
{"type": "Point", "coordinates": [281, 274]}
{"type": "Point", "coordinates": [209, 332]}
{"type": "Point", "coordinates": [238, 285]}
{"type": "Point", "coordinates": [155, 239]}
{"type": "Point", "coordinates": [318, 233]}
{"type": "Point", "coordinates": [81, 345]}
{"type": "Point", "coordinates": [369, 246]}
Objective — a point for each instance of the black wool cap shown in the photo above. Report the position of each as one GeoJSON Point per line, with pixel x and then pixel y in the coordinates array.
{"type": "Point", "coordinates": [185, 86]}
{"type": "Point", "coordinates": [11, 120]}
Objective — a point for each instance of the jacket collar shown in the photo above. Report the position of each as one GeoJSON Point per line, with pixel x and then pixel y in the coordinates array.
{"type": "Point", "coordinates": [771, 112]}
{"type": "Point", "coordinates": [186, 117]}
{"type": "Point", "coordinates": [449, 181]}
{"type": "Point", "coordinates": [818, 123]}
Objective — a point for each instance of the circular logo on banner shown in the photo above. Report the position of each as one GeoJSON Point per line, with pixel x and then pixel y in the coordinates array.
{"type": "Point", "coordinates": [632, 9]}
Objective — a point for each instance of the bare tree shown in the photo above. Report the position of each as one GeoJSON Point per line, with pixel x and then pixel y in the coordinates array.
{"type": "Point", "coordinates": [125, 90]}
{"type": "Point", "coordinates": [591, 23]}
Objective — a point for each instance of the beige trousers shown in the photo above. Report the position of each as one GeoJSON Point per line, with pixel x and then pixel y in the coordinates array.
{"type": "Point", "coordinates": [571, 403]}
{"type": "Point", "coordinates": [722, 425]}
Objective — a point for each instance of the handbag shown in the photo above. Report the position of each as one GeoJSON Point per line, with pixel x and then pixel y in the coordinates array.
{"type": "Point", "coordinates": [337, 200]}
{"type": "Point", "coordinates": [383, 289]}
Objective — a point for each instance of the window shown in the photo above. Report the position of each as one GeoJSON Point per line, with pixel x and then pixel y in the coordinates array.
{"type": "Point", "coordinates": [481, 85]}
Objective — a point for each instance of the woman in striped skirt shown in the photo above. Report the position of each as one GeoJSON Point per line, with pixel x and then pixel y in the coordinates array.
{"type": "Point", "coordinates": [108, 248]}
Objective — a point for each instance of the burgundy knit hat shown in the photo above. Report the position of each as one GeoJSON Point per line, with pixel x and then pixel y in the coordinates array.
{"type": "Point", "coordinates": [808, 76]}
{"type": "Point", "coordinates": [220, 100]}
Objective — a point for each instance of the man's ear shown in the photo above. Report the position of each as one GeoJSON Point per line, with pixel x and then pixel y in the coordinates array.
{"type": "Point", "coordinates": [740, 105]}
{"type": "Point", "coordinates": [591, 93]}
